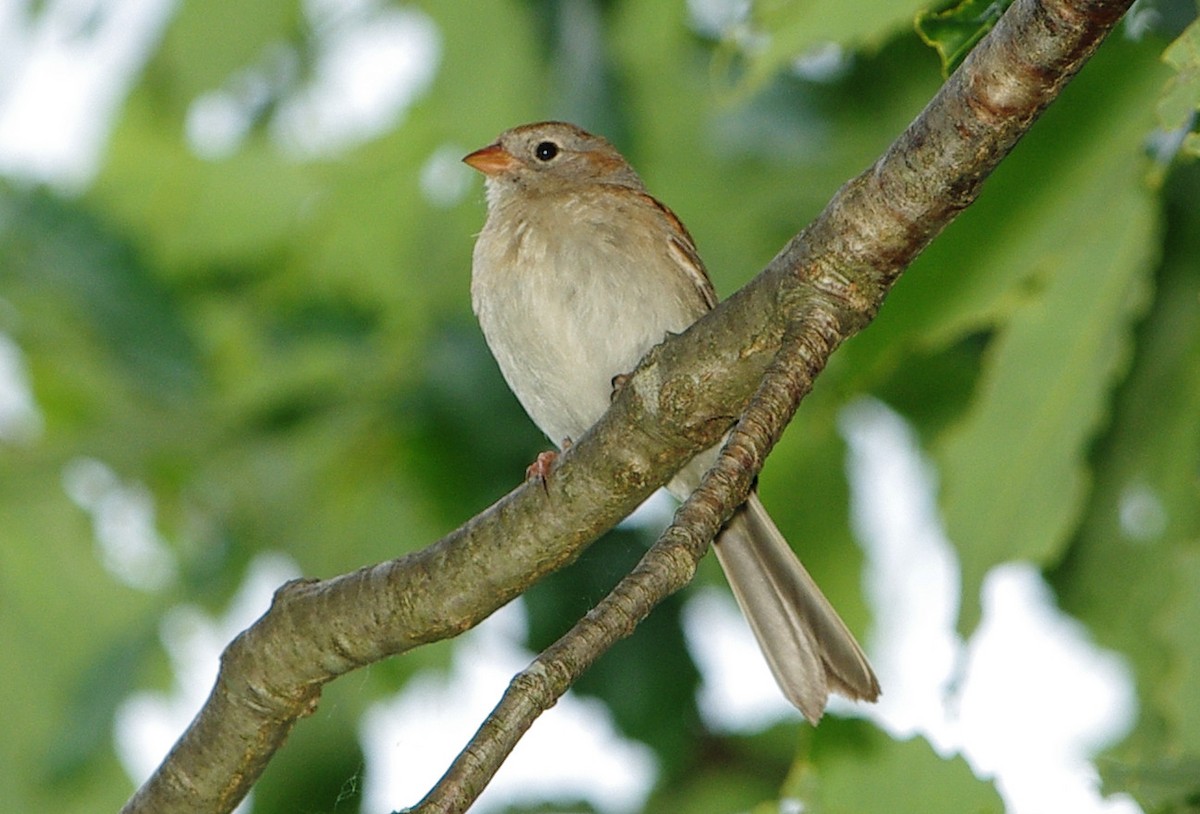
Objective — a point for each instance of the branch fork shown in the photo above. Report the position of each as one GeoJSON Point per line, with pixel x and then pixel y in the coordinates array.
{"type": "Point", "coordinates": [755, 356]}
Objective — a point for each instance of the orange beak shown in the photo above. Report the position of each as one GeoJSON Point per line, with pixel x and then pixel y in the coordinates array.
{"type": "Point", "coordinates": [491, 160]}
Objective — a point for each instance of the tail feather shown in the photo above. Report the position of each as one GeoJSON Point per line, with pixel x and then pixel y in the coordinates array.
{"type": "Point", "coordinates": [810, 650]}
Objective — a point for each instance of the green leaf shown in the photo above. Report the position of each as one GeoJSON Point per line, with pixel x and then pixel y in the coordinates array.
{"type": "Point", "coordinates": [71, 646]}
{"type": "Point", "coordinates": [730, 773]}
{"type": "Point", "coordinates": [1060, 278]}
{"type": "Point", "coordinates": [787, 29]}
{"type": "Point", "coordinates": [1180, 98]}
{"type": "Point", "coordinates": [955, 30]}
{"type": "Point", "coordinates": [1014, 467]}
{"type": "Point", "coordinates": [1045, 277]}
{"type": "Point", "coordinates": [62, 257]}
{"type": "Point", "coordinates": [1131, 571]}
{"type": "Point", "coordinates": [205, 44]}
{"type": "Point", "coordinates": [1181, 623]}
{"type": "Point", "coordinates": [853, 768]}
{"type": "Point", "coordinates": [1168, 786]}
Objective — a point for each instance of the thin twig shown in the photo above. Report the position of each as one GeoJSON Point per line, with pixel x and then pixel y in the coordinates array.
{"type": "Point", "coordinates": [667, 567]}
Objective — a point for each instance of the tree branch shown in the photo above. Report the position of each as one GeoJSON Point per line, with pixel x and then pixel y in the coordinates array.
{"type": "Point", "coordinates": [827, 283]}
{"type": "Point", "coordinates": [667, 567]}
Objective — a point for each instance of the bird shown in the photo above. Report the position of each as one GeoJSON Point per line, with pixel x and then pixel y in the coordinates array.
{"type": "Point", "coordinates": [577, 273]}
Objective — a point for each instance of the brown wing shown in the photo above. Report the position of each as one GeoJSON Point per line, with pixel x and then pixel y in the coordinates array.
{"type": "Point", "coordinates": [683, 249]}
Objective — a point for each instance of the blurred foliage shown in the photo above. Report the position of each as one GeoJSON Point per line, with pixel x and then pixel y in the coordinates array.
{"type": "Point", "coordinates": [1180, 102]}
{"type": "Point", "coordinates": [857, 768]}
{"type": "Point", "coordinates": [277, 346]}
{"type": "Point", "coordinates": [954, 30]}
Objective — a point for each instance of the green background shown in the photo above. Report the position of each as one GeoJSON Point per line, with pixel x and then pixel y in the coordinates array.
{"type": "Point", "coordinates": [280, 349]}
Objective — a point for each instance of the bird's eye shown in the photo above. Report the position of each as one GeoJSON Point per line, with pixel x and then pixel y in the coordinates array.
{"type": "Point", "coordinates": [546, 150]}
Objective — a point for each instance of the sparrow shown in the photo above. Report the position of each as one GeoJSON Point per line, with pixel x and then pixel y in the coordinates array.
{"type": "Point", "coordinates": [577, 273]}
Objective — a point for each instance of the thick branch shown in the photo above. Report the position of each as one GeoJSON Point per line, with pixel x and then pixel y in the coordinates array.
{"type": "Point", "coordinates": [683, 397]}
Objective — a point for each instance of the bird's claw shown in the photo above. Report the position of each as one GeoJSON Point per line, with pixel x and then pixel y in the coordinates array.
{"type": "Point", "coordinates": [539, 470]}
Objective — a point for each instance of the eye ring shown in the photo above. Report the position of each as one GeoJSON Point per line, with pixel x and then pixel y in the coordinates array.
{"type": "Point", "coordinates": [545, 150]}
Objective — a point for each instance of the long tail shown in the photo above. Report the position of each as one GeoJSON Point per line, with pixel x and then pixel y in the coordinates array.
{"type": "Point", "coordinates": [810, 650]}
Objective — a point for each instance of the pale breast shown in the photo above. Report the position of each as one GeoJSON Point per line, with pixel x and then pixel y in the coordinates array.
{"type": "Point", "coordinates": [570, 295]}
